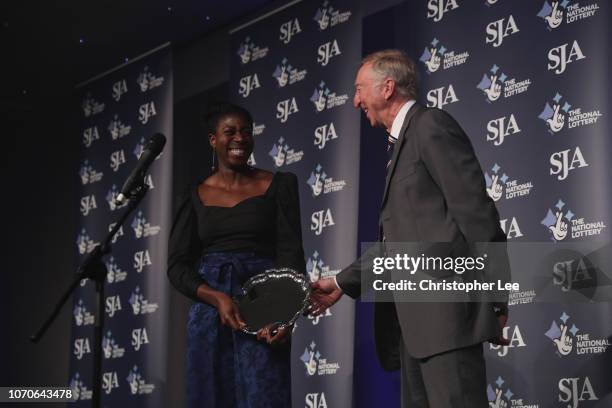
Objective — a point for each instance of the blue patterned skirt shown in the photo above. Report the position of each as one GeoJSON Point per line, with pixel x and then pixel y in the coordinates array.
{"type": "Point", "coordinates": [226, 368]}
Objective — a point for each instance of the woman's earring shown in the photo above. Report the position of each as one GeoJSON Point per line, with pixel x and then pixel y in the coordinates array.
{"type": "Point", "coordinates": [213, 160]}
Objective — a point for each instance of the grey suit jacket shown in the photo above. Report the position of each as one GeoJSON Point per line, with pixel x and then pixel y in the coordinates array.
{"type": "Point", "coordinates": [434, 192]}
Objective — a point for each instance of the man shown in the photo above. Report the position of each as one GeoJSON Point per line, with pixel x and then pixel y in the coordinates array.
{"type": "Point", "coordinates": [434, 192]}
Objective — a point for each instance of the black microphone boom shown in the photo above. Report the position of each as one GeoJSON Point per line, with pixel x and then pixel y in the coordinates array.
{"type": "Point", "coordinates": [152, 149]}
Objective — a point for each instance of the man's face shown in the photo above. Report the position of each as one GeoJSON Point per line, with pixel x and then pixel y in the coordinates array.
{"type": "Point", "coordinates": [369, 95]}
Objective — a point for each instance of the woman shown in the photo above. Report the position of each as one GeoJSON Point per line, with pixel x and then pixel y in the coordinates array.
{"type": "Point", "coordinates": [237, 223]}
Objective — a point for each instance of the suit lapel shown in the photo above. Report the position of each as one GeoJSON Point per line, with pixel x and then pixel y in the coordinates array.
{"type": "Point", "coordinates": [397, 148]}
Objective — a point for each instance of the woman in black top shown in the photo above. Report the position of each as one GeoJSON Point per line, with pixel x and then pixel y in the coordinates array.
{"type": "Point", "coordinates": [237, 223]}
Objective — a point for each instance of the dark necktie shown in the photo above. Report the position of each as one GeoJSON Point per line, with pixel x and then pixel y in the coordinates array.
{"type": "Point", "coordinates": [390, 145]}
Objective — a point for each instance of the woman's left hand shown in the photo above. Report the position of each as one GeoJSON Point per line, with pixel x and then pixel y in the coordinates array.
{"type": "Point", "coordinates": [281, 336]}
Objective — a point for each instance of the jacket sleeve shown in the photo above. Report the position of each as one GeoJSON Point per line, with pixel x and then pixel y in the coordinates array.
{"type": "Point", "coordinates": [184, 250]}
{"type": "Point", "coordinates": [289, 250]}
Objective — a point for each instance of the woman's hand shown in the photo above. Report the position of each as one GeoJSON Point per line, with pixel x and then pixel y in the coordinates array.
{"type": "Point", "coordinates": [228, 311]}
{"type": "Point", "coordinates": [281, 336]}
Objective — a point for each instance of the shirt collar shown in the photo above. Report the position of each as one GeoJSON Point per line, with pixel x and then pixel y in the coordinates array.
{"type": "Point", "coordinates": [398, 122]}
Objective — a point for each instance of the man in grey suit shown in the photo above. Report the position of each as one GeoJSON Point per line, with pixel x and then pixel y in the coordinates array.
{"type": "Point", "coordinates": [434, 192]}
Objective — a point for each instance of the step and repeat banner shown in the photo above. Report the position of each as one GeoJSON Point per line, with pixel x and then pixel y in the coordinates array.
{"type": "Point", "coordinates": [119, 112]}
{"type": "Point", "coordinates": [291, 71]}
{"type": "Point", "coordinates": [528, 81]}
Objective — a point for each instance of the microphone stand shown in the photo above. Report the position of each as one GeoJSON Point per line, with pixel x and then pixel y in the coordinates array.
{"type": "Point", "coordinates": [93, 268]}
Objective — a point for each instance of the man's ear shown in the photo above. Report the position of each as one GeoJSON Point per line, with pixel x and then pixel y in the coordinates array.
{"type": "Point", "coordinates": [388, 88]}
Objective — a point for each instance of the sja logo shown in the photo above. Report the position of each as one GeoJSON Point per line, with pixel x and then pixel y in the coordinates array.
{"type": "Point", "coordinates": [88, 174]}
{"type": "Point", "coordinates": [559, 57]}
{"type": "Point", "coordinates": [79, 390]}
{"type": "Point", "coordinates": [88, 204]}
{"type": "Point", "coordinates": [440, 97]}
{"type": "Point", "coordinates": [139, 338]}
{"type": "Point", "coordinates": [319, 220]}
{"type": "Point", "coordinates": [552, 13]}
{"type": "Point", "coordinates": [248, 84]}
{"type": "Point", "coordinates": [90, 135]}
{"type": "Point", "coordinates": [289, 29]}
{"type": "Point", "coordinates": [327, 51]}
{"type": "Point", "coordinates": [514, 335]}
{"type": "Point", "coordinates": [117, 158]}
{"type": "Point", "coordinates": [324, 134]}
{"type": "Point", "coordinates": [315, 400]}
{"type": "Point", "coordinates": [283, 155]}
{"type": "Point", "coordinates": [112, 305]}
{"type": "Point", "coordinates": [118, 234]}
{"type": "Point", "coordinates": [91, 106]}
{"type": "Point", "coordinates": [142, 228]}
{"type": "Point", "coordinates": [436, 9]}
{"type": "Point", "coordinates": [491, 2]}
{"type": "Point", "coordinates": [110, 348]}
{"type": "Point", "coordinates": [495, 83]}
{"type": "Point", "coordinates": [146, 111]}
{"type": "Point", "coordinates": [323, 98]}
{"type": "Point", "coordinates": [317, 269]}
{"type": "Point", "coordinates": [511, 228]}
{"type": "Point", "coordinates": [576, 390]}
{"type": "Point", "coordinates": [316, 364]}
{"type": "Point", "coordinates": [496, 31]}
{"type": "Point", "coordinates": [81, 347]}
{"type": "Point", "coordinates": [147, 80]}
{"type": "Point", "coordinates": [111, 196]}
{"type": "Point", "coordinates": [436, 56]}
{"type": "Point", "coordinates": [321, 183]}
{"type": "Point", "coordinates": [561, 222]}
{"type": "Point", "coordinates": [85, 244]}
{"type": "Point", "coordinates": [316, 319]}
{"type": "Point", "coordinates": [249, 52]}
{"type": "Point", "coordinates": [327, 16]}
{"type": "Point", "coordinates": [115, 274]}
{"type": "Point", "coordinates": [119, 88]}
{"type": "Point", "coordinates": [109, 381]}
{"type": "Point", "coordinates": [500, 396]}
{"type": "Point", "coordinates": [500, 128]}
{"type": "Point", "coordinates": [81, 316]}
{"type": "Point", "coordinates": [286, 108]}
{"type": "Point", "coordinates": [559, 112]}
{"type": "Point", "coordinates": [142, 259]}
{"type": "Point", "coordinates": [117, 129]}
{"type": "Point", "coordinates": [286, 74]}
{"type": "Point", "coordinates": [497, 182]}
{"type": "Point", "coordinates": [574, 273]}
{"type": "Point", "coordinates": [140, 305]}
{"type": "Point", "coordinates": [138, 385]}
{"type": "Point", "coordinates": [562, 164]}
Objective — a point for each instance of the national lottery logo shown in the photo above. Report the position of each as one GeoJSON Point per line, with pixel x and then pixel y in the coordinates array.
{"type": "Point", "coordinates": [258, 128]}
{"type": "Point", "coordinates": [558, 112]}
{"type": "Point", "coordinates": [323, 98]}
{"type": "Point", "coordinates": [283, 155]}
{"type": "Point", "coordinates": [88, 175]}
{"type": "Point", "coordinates": [498, 181]}
{"type": "Point", "coordinates": [140, 305]}
{"type": "Point", "coordinates": [91, 107]}
{"type": "Point", "coordinates": [552, 13]}
{"type": "Point", "coordinates": [115, 274]}
{"type": "Point", "coordinates": [110, 348]}
{"type": "Point", "coordinates": [315, 364]}
{"type": "Point", "coordinates": [436, 56]}
{"type": "Point", "coordinates": [321, 183]}
{"type": "Point", "coordinates": [317, 269]}
{"type": "Point", "coordinates": [111, 195]}
{"type": "Point", "coordinates": [249, 52]}
{"type": "Point", "coordinates": [148, 81]}
{"type": "Point", "coordinates": [79, 390]}
{"type": "Point", "coordinates": [500, 395]}
{"type": "Point", "coordinates": [142, 228]}
{"type": "Point", "coordinates": [495, 84]}
{"type": "Point", "coordinates": [90, 135]}
{"type": "Point", "coordinates": [566, 338]}
{"type": "Point", "coordinates": [82, 317]}
{"type": "Point", "coordinates": [84, 243]}
{"type": "Point", "coordinates": [117, 129]}
{"type": "Point", "coordinates": [286, 74]}
{"type": "Point", "coordinates": [138, 385]}
{"type": "Point", "coordinates": [326, 16]}
{"type": "Point", "coordinates": [563, 223]}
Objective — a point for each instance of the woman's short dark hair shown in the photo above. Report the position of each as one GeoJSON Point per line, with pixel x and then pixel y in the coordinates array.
{"type": "Point", "coordinates": [218, 110]}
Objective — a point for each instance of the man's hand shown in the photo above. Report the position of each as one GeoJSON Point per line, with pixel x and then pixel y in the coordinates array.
{"type": "Point", "coordinates": [502, 319]}
{"type": "Point", "coordinates": [324, 294]}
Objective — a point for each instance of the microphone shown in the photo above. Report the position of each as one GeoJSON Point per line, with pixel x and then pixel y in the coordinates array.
{"type": "Point", "coordinates": [151, 150]}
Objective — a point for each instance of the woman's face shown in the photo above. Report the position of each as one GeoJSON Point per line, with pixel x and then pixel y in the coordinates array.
{"type": "Point", "coordinates": [233, 140]}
